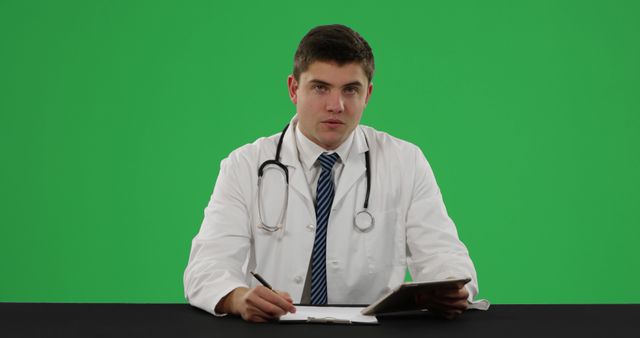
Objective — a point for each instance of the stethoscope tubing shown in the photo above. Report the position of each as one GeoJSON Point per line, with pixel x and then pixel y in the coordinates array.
{"type": "Point", "coordinates": [276, 161]}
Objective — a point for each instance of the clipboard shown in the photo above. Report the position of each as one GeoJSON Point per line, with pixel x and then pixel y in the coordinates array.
{"type": "Point", "coordinates": [328, 315]}
{"type": "Point", "coordinates": [403, 297]}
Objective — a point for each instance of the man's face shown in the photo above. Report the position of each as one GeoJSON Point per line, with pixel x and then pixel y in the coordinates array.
{"type": "Point", "coordinates": [329, 101]}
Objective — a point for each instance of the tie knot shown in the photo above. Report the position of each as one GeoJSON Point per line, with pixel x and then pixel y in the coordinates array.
{"type": "Point", "coordinates": [327, 161]}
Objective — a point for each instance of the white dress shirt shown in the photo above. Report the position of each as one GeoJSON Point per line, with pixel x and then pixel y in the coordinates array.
{"type": "Point", "coordinates": [308, 153]}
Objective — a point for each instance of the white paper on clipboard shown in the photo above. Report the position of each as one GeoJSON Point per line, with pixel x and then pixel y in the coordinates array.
{"type": "Point", "coordinates": [329, 314]}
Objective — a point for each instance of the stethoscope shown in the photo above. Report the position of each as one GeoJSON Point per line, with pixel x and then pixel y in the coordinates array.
{"type": "Point", "coordinates": [363, 221]}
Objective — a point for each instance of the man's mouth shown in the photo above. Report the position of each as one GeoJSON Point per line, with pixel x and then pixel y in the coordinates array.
{"type": "Point", "coordinates": [333, 121]}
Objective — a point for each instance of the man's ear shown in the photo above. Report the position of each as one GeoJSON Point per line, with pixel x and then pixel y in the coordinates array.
{"type": "Point", "coordinates": [369, 90]}
{"type": "Point", "coordinates": [293, 89]}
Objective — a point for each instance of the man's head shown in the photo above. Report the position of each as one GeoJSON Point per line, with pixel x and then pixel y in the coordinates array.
{"type": "Point", "coordinates": [331, 83]}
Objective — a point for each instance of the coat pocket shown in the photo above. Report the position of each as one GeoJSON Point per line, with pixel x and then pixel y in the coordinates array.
{"type": "Point", "coordinates": [385, 243]}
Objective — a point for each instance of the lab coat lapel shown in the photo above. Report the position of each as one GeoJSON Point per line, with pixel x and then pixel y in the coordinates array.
{"type": "Point", "coordinates": [354, 166]}
{"type": "Point", "coordinates": [289, 157]}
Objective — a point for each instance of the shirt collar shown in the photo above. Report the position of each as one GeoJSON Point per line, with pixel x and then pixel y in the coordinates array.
{"type": "Point", "coordinates": [309, 152]}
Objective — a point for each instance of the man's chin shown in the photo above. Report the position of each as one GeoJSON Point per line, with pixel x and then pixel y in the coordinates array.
{"type": "Point", "coordinates": [331, 142]}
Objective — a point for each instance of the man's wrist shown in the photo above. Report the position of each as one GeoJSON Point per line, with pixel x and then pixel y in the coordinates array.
{"type": "Point", "coordinates": [228, 303]}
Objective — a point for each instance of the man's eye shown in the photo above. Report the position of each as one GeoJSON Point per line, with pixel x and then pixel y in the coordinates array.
{"type": "Point", "coordinates": [351, 90]}
{"type": "Point", "coordinates": [319, 88]}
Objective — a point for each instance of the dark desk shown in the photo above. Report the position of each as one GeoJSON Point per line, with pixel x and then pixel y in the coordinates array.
{"type": "Point", "coordinates": [181, 320]}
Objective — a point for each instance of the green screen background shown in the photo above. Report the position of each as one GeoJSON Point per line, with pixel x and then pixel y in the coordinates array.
{"type": "Point", "coordinates": [115, 116]}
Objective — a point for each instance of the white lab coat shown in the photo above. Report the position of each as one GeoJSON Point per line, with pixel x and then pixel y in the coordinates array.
{"type": "Point", "coordinates": [411, 229]}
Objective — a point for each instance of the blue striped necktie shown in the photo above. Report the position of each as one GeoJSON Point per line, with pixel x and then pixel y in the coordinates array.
{"type": "Point", "coordinates": [324, 200]}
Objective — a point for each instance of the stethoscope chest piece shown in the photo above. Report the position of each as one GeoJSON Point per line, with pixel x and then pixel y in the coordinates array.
{"type": "Point", "coordinates": [364, 221]}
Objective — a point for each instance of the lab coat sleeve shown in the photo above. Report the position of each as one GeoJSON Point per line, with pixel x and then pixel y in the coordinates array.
{"type": "Point", "coordinates": [434, 251]}
{"type": "Point", "coordinates": [220, 249]}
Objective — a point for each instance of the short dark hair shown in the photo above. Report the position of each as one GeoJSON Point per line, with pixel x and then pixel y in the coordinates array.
{"type": "Point", "coordinates": [333, 43]}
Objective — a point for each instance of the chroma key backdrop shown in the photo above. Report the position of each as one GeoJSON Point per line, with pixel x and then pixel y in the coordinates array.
{"type": "Point", "coordinates": [115, 115]}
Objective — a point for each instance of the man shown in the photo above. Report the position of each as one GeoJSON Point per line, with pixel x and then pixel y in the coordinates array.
{"type": "Point", "coordinates": [340, 211]}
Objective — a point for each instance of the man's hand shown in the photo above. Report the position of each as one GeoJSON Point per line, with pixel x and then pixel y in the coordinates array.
{"type": "Point", "coordinates": [448, 301]}
{"type": "Point", "coordinates": [259, 304]}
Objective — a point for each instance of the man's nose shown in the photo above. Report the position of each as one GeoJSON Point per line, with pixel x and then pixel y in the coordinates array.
{"type": "Point", "coordinates": [335, 103]}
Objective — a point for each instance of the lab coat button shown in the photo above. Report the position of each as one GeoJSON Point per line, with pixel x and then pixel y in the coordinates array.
{"type": "Point", "coordinates": [298, 279]}
{"type": "Point", "coordinates": [311, 227]}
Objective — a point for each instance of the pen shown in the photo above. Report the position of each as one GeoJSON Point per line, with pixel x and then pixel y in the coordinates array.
{"type": "Point", "coordinates": [262, 281]}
